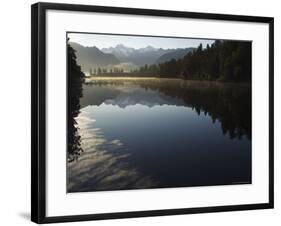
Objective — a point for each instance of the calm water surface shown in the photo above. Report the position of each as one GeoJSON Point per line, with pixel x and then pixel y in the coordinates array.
{"type": "Point", "coordinates": [157, 133]}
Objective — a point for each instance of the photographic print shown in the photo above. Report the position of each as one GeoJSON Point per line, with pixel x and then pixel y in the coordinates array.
{"type": "Point", "coordinates": [131, 119]}
{"type": "Point", "coordinates": [157, 112]}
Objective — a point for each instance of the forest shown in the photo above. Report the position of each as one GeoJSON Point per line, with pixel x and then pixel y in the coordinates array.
{"type": "Point", "coordinates": [225, 61]}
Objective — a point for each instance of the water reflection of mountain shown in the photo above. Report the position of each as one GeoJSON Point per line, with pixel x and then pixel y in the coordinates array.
{"type": "Point", "coordinates": [230, 104]}
{"type": "Point", "coordinates": [138, 133]}
{"type": "Point", "coordinates": [125, 96]}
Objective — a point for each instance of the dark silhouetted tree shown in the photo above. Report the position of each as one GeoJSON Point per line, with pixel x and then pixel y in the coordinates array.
{"type": "Point", "coordinates": [75, 80]}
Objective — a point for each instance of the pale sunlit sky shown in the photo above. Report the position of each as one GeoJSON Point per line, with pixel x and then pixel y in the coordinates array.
{"type": "Point", "coordinates": [105, 41]}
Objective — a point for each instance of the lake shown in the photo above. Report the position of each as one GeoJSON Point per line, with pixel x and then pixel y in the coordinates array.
{"type": "Point", "coordinates": [138, 133]}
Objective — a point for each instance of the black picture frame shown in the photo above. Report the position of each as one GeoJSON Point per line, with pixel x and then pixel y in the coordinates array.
{"type": "Point", "coordinates": [38, 111]}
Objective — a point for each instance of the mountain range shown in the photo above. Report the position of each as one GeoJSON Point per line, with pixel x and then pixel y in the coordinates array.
{"type": "Point", "coordinates": [140, 57]}
{"type": "Point", "coordinates": [124, 57]}
{"type": "Point", "coordinates": [90, 57]}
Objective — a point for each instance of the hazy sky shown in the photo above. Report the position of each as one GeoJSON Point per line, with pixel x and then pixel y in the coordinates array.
{"type": "Point", "coordinates": [137, 42]}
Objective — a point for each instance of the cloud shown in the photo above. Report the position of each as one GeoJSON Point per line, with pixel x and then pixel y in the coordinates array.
{"type": "Point", "coordinates": [103, 165]}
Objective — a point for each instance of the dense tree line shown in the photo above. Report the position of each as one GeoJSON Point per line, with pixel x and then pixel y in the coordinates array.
{"type": "Point", "coordinates": [222, 61]}
{"type": "Point", "coordinates": [105, 71]}
{"type": "Point", "coordinates": [75, 81]}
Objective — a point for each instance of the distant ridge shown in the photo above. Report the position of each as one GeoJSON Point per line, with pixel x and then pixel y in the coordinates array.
{"type": "Point", "coordinates": [176, 54]}
{"type": "Point", "coordinates": [90, 57]}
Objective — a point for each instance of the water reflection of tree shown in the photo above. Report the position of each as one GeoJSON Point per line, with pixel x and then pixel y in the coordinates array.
{"type": "Point", "coordinates": [75, 78]}
{"type": "Point", "coordinates": [228, 103]}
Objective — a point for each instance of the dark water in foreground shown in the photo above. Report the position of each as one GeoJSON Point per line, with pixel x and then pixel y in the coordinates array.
{"type": "Point", "coordinates": [156, 133]}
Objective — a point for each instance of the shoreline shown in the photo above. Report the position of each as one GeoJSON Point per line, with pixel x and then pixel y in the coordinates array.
{"type": "Point", "coordinates": [92, 78]}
